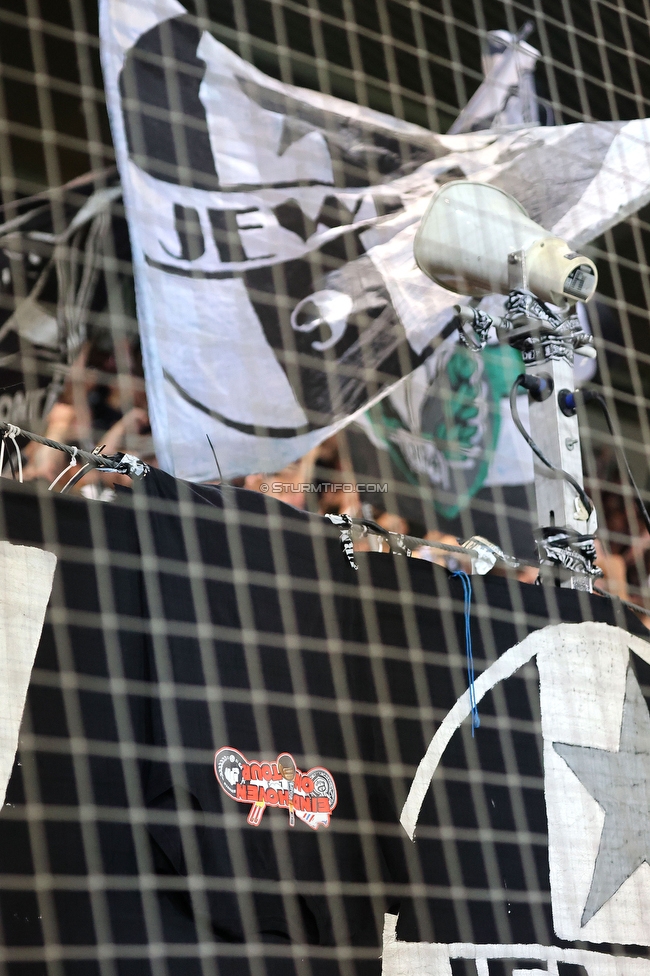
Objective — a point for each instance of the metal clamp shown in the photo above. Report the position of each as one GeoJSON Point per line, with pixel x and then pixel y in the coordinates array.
{"type": "Point", "coordinates": [133, 466]}
{"type": "Point", "coordinates": [564, 550]}
{"type": "Point", "coordinates": [345, 538]}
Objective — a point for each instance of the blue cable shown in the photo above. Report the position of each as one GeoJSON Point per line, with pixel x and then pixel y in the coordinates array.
{"type": "Point", "coordinates": [467, 591]}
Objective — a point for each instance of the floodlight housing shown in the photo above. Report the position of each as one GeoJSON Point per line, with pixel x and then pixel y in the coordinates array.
{"type": "Point", "coordinates": [469, 238]}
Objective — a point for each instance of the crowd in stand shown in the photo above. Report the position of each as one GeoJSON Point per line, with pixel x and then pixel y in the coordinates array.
{"type": "Point", "coordinates": [104, 403]}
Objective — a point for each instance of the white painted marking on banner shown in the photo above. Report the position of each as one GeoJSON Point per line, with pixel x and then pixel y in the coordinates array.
{"type": "Point", "coordinates": [25, 585]}
{"type": "Point", "coordinates": [599, 890]}
{"type": "Point", "coordinates": [593, 634]}
{"type": "Point", "coordinates": [434, 959]}
{"type": "Point", "coordinates": [507, 664]}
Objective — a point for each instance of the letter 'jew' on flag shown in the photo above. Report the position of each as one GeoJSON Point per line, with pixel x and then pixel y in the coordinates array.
{"type": "Point", "coordinates": [272, 232]}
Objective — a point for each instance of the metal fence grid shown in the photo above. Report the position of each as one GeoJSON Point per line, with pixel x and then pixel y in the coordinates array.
{"type": "Point", "coordinates": [310, 652]}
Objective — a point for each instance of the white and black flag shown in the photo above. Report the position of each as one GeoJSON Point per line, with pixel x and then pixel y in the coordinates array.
{"type": "Point", "coordinates": [272, 231]}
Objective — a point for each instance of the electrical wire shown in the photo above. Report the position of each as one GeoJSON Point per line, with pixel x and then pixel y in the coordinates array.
{"type": "Point", "coordinates": [557, 472]}
{"type": "Point", "coordinates": [467, 600]}
{"type": "Point", "coordinates": [590, 396]}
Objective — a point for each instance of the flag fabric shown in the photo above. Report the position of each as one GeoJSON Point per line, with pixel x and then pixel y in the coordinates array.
{"type": "Point", "coordinates": [272, 233]}
{"type": "Point", "coordinates": [597, 777]}
{"type": "Point", "coordinates": [507, 96]}
{"type": "Point", "coordinates": [446, 434]}
{"type": "Point", "coordinates": [238, 749]}
{"type": "Point", "coordinates": [596, 755]}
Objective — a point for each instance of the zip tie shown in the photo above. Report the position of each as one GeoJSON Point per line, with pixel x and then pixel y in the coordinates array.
{"type": "Point", "coordinates": [72, 464]}
{"type": "Point", "coordinates": [12, 432]}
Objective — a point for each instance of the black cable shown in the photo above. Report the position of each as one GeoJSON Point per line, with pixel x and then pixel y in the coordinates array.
{"type": "Point", "coordinates": [119, 463]}
{"type": "Point", "coordinates": [557, 472]}
{"type": "Point", "coordinates": [591, 395]}
{"type": "Point", "coordinates": [409, 541]}
{"type": "Point", "coordinates": [95, 460]}
{"type": "Point", "coordinates": [373, 526]}
{"type": "Point", "coordinates": [634, 607]}
{"type": "Point", "coordinates": [413, 542]}
{"type": "Point", "coordinates": [216, 459]}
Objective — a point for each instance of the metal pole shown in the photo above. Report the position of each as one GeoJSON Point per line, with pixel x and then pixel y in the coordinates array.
{"type": "Point", "coordinates": [548, 339]}
{"type": "Point", "coordinates": [558, 436]}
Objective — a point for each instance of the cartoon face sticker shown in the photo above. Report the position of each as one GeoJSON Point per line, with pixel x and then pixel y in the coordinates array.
{"type": "Point", "coordinates": [311, 796]}
{"type": "Point", "coordinates": [229, 773]}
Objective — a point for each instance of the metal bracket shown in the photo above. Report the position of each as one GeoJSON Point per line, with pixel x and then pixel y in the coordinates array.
{"type": "Point", "coordinates": [568, 555]}
{"type": "Point", "coordinates": [517, 273]}
{"type": "Point", "coordinates": [132, 465]}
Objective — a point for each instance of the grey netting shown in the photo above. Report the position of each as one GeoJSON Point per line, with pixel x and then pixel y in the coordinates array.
{"type": "Point", "coordinates": [190, 619]}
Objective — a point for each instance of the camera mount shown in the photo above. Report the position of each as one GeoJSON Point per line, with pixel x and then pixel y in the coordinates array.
{"type": "Point", "coordinates": [476, 240]}
{"type": "Point", "coordinates": [548, 340]}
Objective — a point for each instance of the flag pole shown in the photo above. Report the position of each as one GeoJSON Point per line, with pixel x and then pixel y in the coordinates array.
{"type": "Point", "coordinates": [548, 341]}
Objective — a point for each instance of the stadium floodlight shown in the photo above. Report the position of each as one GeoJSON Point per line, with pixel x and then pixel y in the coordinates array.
{"type": "Point", "coordinates": [469, 232]}
{"type": "Point", "coordinates": [475, 240]}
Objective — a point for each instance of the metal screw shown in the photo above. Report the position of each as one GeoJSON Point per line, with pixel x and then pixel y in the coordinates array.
{"type": "Point", "coordinates": [571, 443]}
